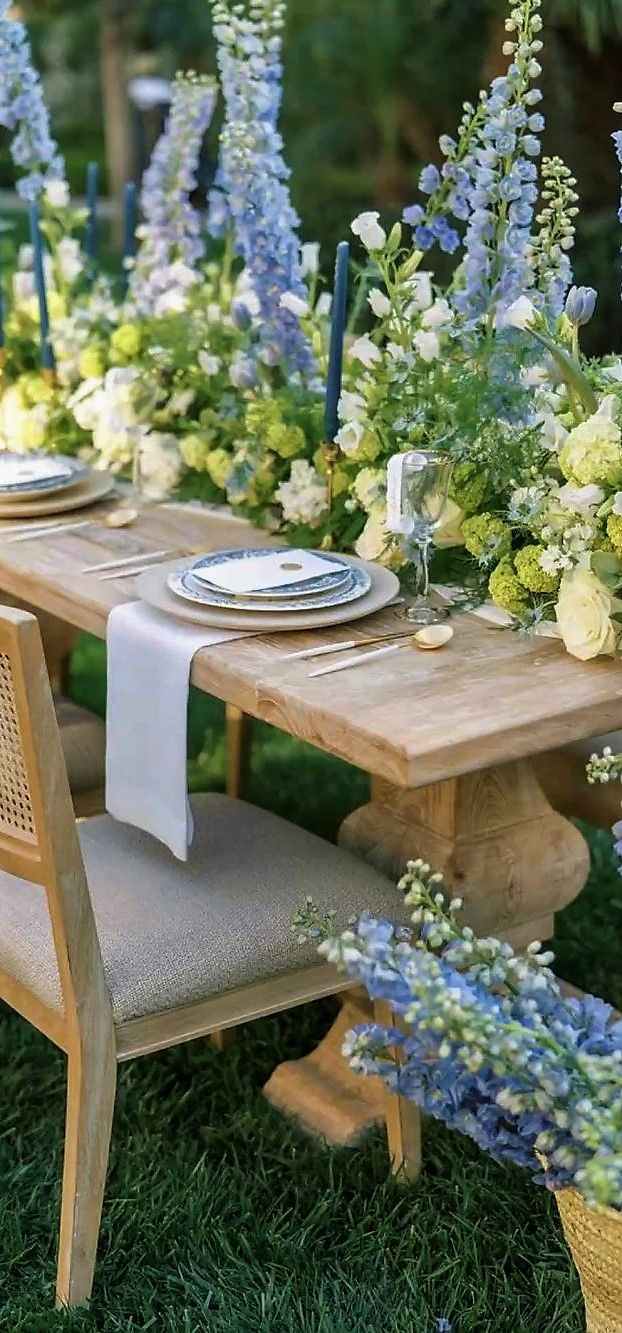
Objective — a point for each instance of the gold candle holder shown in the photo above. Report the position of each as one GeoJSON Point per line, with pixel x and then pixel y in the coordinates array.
{"type": "Point", "coordinates": [330, 451]}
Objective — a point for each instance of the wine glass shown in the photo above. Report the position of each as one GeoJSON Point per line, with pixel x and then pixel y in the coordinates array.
{"type": "Point", "coordinates": [426, 474]}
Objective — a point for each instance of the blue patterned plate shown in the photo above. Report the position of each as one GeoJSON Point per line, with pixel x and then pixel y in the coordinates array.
{"type": "Point", "coordinates": [337, 576]}
{"type": "Point", "coordinates": [60, 472]}
{"type": "Point", "coordinates": [183, 585]}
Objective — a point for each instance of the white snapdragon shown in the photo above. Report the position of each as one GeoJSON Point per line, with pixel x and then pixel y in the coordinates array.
{"type": "Point", "coordinates": [420, 291]}
{"type": "Point", "coordinates": [210, 365]}
{"type": "Point", "coordinates": [351, 406]}
{"type": "Point", "coordinates": [309, 258]}
{"type": "Point", "coordinates": [365, 351]}
{"type": "Point", "coordinates": [294, 304]}
{"type": "Point", "coordinates": [617, 503]}
{"type": "Point", "coordinates": [367, 227]}
{"type": "Point", "coordinates": [70, 258]}
{"type": "Point", "coordinates": [324, 305]}
{"type": "Point", "coordinates": [519, 315]}
{"type": "Point", "coordinates": [438, 314]}
{"type": "Point", "coordinates": [56, 194]}
{"type": "Point", "coordinates": [349, 437]}
{"type": "Point", "coordinates": [428, 345]}
{"type": "Point", "coordinates": [379, 303]}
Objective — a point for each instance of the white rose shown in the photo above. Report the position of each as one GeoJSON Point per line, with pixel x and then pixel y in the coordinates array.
{"type": "Point", "coordinates": [427, 344]}
{"type": "Point", "coordinates": [438, 314]}
{"type": "Point", "coordinates": [579, 498]}
{"type": "Point", "coordinates": [57, 194]}
{"type": "Point", "coordinates": [349, 437]}
{"type": "Point", "coordinates": [295, 304]}
{"type": "Point", "coordinates": [371, 544]}
{"type": "Point", "coordinates": [380, 304]}
{"type": "Point", "coordinates": [310, 257]}
{"type": "Point", "coordinates": [519, 315]}
{"type": "Point", "coordinates": [366, 351]}
{"type": "Point", "coordinates": [210, 365]}
{"type": "Point", "coordinates": [584, 607]}
{"type": "Point", "coordinates": [369, 231]}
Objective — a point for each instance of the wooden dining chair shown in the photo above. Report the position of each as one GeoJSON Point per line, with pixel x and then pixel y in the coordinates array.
{"type": "Point", "coordinates": [113, 949]}
{"type": "Point", "coordinates": [82, 732]}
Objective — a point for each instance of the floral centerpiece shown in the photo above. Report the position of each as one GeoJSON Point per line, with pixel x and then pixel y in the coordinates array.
{"type": "Point", "coordinates": [485, 1040]}
{"type": "Point", "coordinates": [210, 360]}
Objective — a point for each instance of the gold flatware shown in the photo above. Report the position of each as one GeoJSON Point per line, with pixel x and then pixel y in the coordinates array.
{"type": "Point", "coordinates": [324, 649]}
{"type": "Point", "coordinates": [428, 638]}
{"type": "Point", "coordinates": [156, 558]}
{"type": "Point", "coordinates": [47, 530]}
{"type": "Point", "coordinates": [121, 561]}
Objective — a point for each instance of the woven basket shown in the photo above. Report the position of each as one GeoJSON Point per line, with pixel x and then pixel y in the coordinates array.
{"type": "Point", "coordinates": [595, 1239]}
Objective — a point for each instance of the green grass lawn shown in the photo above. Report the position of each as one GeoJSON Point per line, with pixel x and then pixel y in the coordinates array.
{"type": "Point", "coordinates": [221, 1216]}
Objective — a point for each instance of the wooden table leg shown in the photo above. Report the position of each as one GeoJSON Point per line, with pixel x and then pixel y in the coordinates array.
{"type": "Point", "coordinates": [501, 847]}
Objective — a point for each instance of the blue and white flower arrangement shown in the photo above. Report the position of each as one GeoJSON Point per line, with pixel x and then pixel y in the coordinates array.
{"type": "Point", "coordinates": [485, 1040]}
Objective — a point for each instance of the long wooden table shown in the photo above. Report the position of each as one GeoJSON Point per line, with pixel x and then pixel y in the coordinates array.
{"type": "Point", "coordinates": [446, 737]}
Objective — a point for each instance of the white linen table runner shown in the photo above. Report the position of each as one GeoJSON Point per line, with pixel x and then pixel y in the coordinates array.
{"type": "Point", "coordinates": [149, 661]}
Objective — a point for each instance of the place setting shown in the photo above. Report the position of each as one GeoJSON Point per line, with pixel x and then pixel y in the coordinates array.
{"type": "Point", "coordinates": [39, 485]}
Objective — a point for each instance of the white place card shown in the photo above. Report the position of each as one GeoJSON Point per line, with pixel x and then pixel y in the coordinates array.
{"type": "Point", "coordinates": [258, 573]}
{"type": "Point", "coordinates": [16, 469]}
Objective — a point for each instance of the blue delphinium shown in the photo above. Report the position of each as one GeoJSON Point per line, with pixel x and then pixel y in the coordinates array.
{"type": "Point", "coordinates": [489, 1045]}
{"type": "Point", "coordinates": [23, 111]}
{"type": "Point", "coordinates": [171, 244]}
{"type": "Point", "coordinates": [251, 180]}
{"type": "Point", "coordinates": [488, 180]}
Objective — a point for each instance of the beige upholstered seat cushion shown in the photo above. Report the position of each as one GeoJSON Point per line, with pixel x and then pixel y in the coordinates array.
{"type": "Point", "coordinates": [170, 932]}
{"type": "Point", "coordinates": [83, 738]}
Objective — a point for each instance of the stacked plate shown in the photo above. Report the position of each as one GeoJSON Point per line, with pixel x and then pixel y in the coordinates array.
{"type": "Point", "coordinates": [39, 483]}
{"type": "Point", "coordinates": [269, 581]}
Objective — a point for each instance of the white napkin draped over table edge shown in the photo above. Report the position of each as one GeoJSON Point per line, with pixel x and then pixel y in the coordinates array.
{"type": "Point", "coordinates": [149, 662]}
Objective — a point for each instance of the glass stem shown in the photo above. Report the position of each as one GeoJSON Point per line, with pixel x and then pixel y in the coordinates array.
{"type": "Point", "coordinates": [424, 568]}
{"type": "Point", "coordinates": [136, 473]}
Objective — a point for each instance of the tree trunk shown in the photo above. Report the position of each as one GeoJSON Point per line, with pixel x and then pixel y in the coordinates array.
{"type": "Point", "coordinates": [116, 116]}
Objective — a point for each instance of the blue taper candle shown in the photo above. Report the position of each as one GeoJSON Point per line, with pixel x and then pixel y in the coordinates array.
{"type": "Point", "coordinates": [129, 222]}
{"type": "Point", "coordinates": [92, 172]}
{"type": "Point", "coordinates": [47, 354]}
{"type": "Point", "coordinates": [337, 331]}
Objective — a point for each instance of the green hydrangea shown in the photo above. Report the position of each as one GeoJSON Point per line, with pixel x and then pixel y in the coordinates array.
{"type": "Point", "coordinates": [506, 589]}
{"type": "Point", "coordinates": [468, 487]}
{"type": "Point", "coordinates": [194, 450]}
{"type": "Point", "coordinates": [286, 441]}
{"type": "Point", "coordinates": [530, 571]}
{"type": "Point", "coordinates": [592, 453]}
{"type": "Point", "coordinates": [614, 533]}
{"type": "Point", "coordinates": [486, 537]}
{"type": "Point", "coordinates": [91, 363]}
{"type": "Point", "coordinates": [218, 466]}
{"type": "Point", "coordinates": [125, 342]}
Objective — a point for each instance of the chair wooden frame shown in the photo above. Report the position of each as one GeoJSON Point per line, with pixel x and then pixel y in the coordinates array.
{"type": "Point", "coordinates": [50, 856]}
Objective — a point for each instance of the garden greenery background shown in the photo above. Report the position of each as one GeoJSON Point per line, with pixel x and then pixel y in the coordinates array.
{"type": "Point", "coordinates": [369, 85]}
